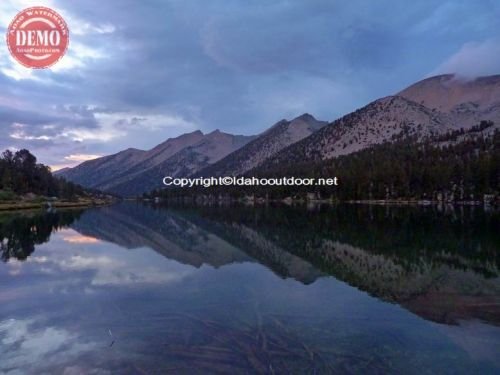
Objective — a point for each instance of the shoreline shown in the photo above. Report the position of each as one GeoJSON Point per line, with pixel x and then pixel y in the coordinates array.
{"type": "Point", "coordinates": [410, 202]}
{"type": "Point", "coordinates": [21, 206]}
{"type": "Point", "coordinates": [288, 201]}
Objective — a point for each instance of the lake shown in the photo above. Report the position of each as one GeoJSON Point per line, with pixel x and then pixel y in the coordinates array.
{"type": "Point", "coordinates": [318, 289]}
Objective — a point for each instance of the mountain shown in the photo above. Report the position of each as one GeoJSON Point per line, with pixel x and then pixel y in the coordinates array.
{"type": "Point", "coordinates": [62, 170]}
{"type": "Point", "coordinates": [429, 108]}
{"type": "Point", "coordinates": [433, 106]}
{"type": "Point", "coordinates": [465, 101]}
{"type": "Point", "coordinates": [267, 144]}
{"type": "Point", "coordinates": [152, 159]}
{"type": "Point", "coordinates": [382, 120]}
{"type": "Point", "coordinates": [211, 148]}
{"type": "Point", "coordinates": [132, 171]}
{"type": "Point", "coordinates": [93, 173]}
{"type": "Point", "coordinates": [448, 92]}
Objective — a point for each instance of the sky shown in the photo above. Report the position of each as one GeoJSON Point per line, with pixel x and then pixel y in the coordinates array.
{"type": "Point", "coordinates": [139, 72]}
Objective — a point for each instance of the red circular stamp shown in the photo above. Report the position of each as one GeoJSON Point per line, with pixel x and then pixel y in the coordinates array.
{"type": "Point", "coordinates": [38, 37]}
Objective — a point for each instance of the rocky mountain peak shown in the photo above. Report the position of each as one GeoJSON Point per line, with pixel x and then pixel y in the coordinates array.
{"type": "Point", "coordinates": [447, 92]}
{"type": "Point", "coordinates": [277, 137]}
{"type": "Point", "coordinates": [306, 117]}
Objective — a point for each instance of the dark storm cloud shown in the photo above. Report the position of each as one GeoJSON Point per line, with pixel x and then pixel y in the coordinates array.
{"type": "Point", "coordinates": [237, 65]}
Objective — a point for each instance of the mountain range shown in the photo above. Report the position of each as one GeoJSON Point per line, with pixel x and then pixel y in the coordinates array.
{"type": "Point", "coordinates": [433, 106]}
{"type": "Point", "coordinates": [132, 171]}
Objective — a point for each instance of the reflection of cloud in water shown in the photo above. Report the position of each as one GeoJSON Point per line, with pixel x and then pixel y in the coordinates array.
{"type": "Point", "coordinates": [109, 270]}
{"type": "Point", "coordinates": [124, 277]}
{"type": "Point", "coordinates": [78, 262]}
{"type": "Point", "coordinates": [14, 267]}
{"type": "Point", "coordinates": [82, 260]}
{"type": "Point", "coordinates": [78, 238]}
{"type": "Point", "coordinates": [480, 341]}
{"type": "Point", "coordinates": [24, 347]}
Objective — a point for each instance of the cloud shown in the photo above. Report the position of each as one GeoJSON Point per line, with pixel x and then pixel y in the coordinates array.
{"type": "Point", "coordinates": [442, 18]}
{"type": "Point", "coordinates": [81, 27]}
{"type": "Point", "coordinates": [31, 127]}
{"type": "Point", "coordinates": [125, 120]}
{"type": "Point", "coordinates": [19, 134]}
{"type": "Point", "coordinates": [81, 157]}
{"type": "Point", "coordinates": [238, 66]}
{"type": "Point", "coordinates": [78, 56]}
{"type": "Point", "coordinates": [65, 131]}
{"type": "Point", "coordinates": [8, 9]}
{"type": "Point", "coordinates": [294, 95]}
{"type": "Point", "coordinates": [473, 59]}
{"type": "Point", "coordinates": [58, 167]}
{"type": "Point", "coordinates": [27, 349]}
{"type": "Point", "coordinates": [18, 72]}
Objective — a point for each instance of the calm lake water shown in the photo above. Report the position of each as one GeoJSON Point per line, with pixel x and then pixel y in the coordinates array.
{"type": "Point", "coordinates": [134, 289]}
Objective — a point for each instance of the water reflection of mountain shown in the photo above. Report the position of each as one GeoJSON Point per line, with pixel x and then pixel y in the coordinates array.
{"type": "Point", "coordinates": [189, 239]}
{"type": "Point", "coordinates": [442, 266]}
{"type": "Point", "coordinates": [19, 233]}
